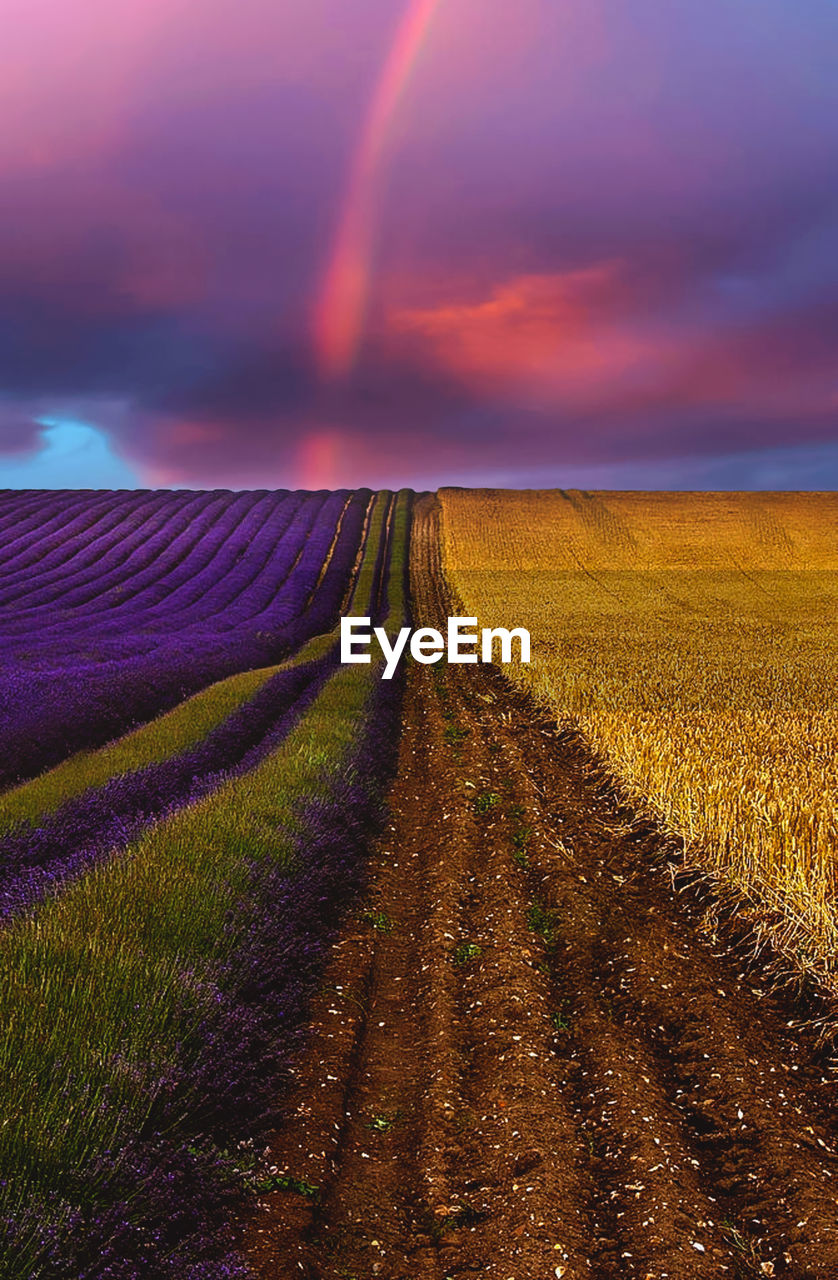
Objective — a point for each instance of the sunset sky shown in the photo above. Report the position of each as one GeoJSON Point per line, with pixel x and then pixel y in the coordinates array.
{"type": "Point", "coordinates": [315, 243]}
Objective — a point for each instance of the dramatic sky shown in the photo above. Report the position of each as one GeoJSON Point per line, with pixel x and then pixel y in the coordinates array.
{"type": "Point", "coordinates": [326, 242]}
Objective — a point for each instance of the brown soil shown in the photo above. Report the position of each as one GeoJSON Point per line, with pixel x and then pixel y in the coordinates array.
{"type": "Point", "coordinates": [528, 1059]}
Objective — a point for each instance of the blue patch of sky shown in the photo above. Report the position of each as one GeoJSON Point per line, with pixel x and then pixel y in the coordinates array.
{"type": "Point", "coordinates": [73, 455]}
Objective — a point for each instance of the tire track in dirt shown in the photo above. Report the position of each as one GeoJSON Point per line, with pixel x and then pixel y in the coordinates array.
{"type": "Point", "coordinates": [527, 1060]}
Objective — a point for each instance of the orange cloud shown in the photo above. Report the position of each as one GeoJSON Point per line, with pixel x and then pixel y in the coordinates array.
{"type": "Point", "coordinates": [558, 336]}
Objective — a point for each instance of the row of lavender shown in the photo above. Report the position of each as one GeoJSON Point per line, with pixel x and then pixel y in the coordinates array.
{"type": "Point", "coordinates": [176, 552]}
{"type": "Point", "coordinates": [152, 1008]}
{"type": "Point", "coordinates": [65, 821]}
{"type": "Point", "coordinates": [114, 607]}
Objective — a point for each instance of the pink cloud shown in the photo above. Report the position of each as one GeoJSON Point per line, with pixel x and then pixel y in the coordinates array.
{"type": "Point", "coordinates": [560, 338]}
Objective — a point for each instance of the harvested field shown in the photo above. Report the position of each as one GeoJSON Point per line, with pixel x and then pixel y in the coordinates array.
{"type": "Point", "coordinates": [691, 638]}
{"type": "Point", "coordinates": [528, 1059]}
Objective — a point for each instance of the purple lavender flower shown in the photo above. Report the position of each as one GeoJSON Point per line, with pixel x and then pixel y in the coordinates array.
{"type": "Point", "coordinates": [82, 665]}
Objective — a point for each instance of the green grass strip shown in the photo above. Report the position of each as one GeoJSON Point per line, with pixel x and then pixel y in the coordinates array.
{"type": "Point", "coordinates": [361, 598]}
{"type": "Point", "coordinates": [397, 580]}
{"type": "Point", "coordinates": [166, 736]}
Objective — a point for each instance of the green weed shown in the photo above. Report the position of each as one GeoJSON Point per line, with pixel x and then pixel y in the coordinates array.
{"type": "Point", "coordinates": [559, 1018]}
{"type": "Point", "coordinates": [544, 921]}
{"type": "Point", "coordinates": [466, 952]}
{"type": "Point", "coordinates": [520, 842]}
{"type": "Point", "coordinates": [378, 920]}
{"type": "Point", "coordinates": [485, 802]}
{"type": "Point", "coordinates": [384, 1122]}
{"type": "Point", "coordinates": [286, 1182]}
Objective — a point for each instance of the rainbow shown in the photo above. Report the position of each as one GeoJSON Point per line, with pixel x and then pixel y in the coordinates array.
{"type": "Point", "coordinates": [342, 301]}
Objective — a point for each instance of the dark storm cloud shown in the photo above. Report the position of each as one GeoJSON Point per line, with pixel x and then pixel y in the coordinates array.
{"type": "Point", "coordinates": [600, 233]}
{"type": "Point", "coordinates": [19, 433]}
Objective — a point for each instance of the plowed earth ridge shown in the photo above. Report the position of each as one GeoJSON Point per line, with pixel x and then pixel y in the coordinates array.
{"type": "Point", "coordinates": [528, 1060]}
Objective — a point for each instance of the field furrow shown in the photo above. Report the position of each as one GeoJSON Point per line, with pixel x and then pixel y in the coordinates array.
{"type": "Point", "coordinates": [529, 1057]}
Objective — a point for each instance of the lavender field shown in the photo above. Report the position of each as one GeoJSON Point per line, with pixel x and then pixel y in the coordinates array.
{"type": "Point", "coordinates": [115, 606]}
{"type": "Point", "coordinates": [189, 782]}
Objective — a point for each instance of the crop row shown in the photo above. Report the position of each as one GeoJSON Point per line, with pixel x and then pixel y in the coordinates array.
{"type": "Point", "coordinates": [240, 564]}
{"type": "Point", "coordinates": [77, 812]}
{"type": "Point", "coordinates": [150, 1009]}
{"type": "Point", "coordinates": [78, 668]}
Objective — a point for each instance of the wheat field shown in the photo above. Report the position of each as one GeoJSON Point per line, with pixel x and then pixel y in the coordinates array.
{"type": "Point", "coordinates": [692, 638]}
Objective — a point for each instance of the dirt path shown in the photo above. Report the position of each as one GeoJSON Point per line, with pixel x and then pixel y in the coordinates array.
{"type": "Point", "coordinates": [526, 1061]}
